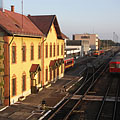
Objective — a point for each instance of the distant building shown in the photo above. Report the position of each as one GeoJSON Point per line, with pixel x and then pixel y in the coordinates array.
{"type": "Point", "coordinates": [76, 48]}
{"type": "Point", "coordinates": [92, 38]}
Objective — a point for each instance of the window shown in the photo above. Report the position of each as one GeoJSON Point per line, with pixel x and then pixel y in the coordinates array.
{"type": "Point", "coordinates": [46, 74]}
{"type": "Point", "coordinates": [85, 37]}
{"type": "Point", "coordinates": [13, 54]}
{"type": "Point", "coordinates": [118, 65]}
{"type": "Point", "coordinates": [50, 50]}
{"type": "Point", "coordinates": [24, 53]}
{"type": "Point", "coordinates": [46, 51]}
{"type": "Point", "coordinates": [58, 50]}
{"type": "Point", "coordinates": [54, 51]}
{"type": "Point", "coordinates": [39, 77]}
{"type": "Point", "coordinates": [13, 86]}
{"type": "Point", "coordinates": [24, 83]}
{"type": "Point", "coordinates": [68, 62]}
{"type": "Point", "coordinates": [61, 49]}
{"type": "Point", "coordinates": [112, 65]}
{"type": "Point", "coordinates": [39, 52]}
{"type": "Point", "coordinates": [32, 52]}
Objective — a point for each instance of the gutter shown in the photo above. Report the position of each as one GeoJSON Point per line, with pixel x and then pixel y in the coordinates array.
{"type": "Point", "coordinates": [32, 36]}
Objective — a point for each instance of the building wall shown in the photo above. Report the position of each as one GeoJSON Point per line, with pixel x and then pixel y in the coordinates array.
{"type": "Point", "coordinates": [93, 39]}
{"type": "Point", "coordinates": [51, 40]}
{"type": "Point", "coordinates": [1, 68]}
{"type": "Point", "coordinates": [20, 68]}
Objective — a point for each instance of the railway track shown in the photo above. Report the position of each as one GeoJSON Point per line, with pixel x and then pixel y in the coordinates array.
{"type": "Point", "coordinates": [61, 113]}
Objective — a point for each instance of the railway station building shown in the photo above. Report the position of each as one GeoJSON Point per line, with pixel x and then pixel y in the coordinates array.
{"type": "Point", "coordinates": [33, 54]}
{"type": "Point", "coordinates": [92, 38]}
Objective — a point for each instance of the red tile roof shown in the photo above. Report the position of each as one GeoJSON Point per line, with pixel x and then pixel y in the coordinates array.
{"type": "Point", "coordinates": [11, 22]}
{"type": "Point", "coordinates": [44, 23]}
{"type": "Point", "coordinates": [34, 67]}
{"type": "Point", "coordinates": [64, 36]}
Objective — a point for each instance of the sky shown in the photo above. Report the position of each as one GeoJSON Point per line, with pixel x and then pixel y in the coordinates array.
{"type": "Point", "coordinates": [100, 17]}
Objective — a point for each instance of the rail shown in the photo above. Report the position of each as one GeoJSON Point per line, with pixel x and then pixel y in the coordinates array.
{"type": "Point", "coordinates": [116, 101]}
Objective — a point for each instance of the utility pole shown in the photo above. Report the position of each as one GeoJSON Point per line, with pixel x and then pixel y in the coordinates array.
{"type": "Point", "coordinates": [114, 36]}
{"type": "Point", "coordinates": [1, 5]}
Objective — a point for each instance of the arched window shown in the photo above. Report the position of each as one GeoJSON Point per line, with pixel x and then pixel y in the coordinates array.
{"type": "Point", "coordinates": [46, 47]}
{"type": "Point", "coordinates": [46, 74]}
{"type": "Point", "coordinates": [62, 50]}
{"type": "Point", "coordinates": [13, 52]}
{"type": "Point", "coordinates": [13, 85]}
{"type": "Point", "coordinates": [32, 52]}
{"type": "Point", "coordinates": [39, 51]}
{"type": "Point", "coordinates": [54, 50]}
{"type": "Point", "coordinates": [23, 82]}
{"type": "Point", "coordinates": [58, 49]}
{"type": "Point", "coordinates": [24, 52]}
{"type": "Point", "coordinates": [50, 49]}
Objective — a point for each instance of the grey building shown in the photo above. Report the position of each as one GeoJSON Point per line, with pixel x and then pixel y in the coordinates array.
{"type": "Point", "coordinates": [92, 38]}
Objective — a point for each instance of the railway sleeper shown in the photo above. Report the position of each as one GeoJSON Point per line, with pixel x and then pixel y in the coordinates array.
{"type": "Point", "coordinates": [79, 111]}
{"type": "Point", "coordinates": [91, 92]}
{"type": "Point", "coordinates": [95, 98]}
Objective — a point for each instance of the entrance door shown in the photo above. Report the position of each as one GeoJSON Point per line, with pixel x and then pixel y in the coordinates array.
{"type": "Point", "coordinates": [58, 72]}
{"type": "Point", "coordinates": [50, 74]}
{"type": "Point", "coordinates": [54, 74]}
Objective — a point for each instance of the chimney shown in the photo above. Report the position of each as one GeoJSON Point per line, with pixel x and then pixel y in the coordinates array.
{"type": "Point", "coordinates": [12, 8]}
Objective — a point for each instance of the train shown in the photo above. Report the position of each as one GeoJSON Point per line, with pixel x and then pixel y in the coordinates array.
{"type": "Point", "coordinates": [114, 64]}
{"type": "Point", "coordinates": [69, 62]}
{"type": "Point", "coordinates": [98, 52]}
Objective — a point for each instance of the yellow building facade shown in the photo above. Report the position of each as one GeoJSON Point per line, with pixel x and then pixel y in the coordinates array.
{"type": "Point", "coordinates": [21, 68]}
{"type": "Point", "coordinates": [32, 58]}
{"type": "Point", "coordinates": [52, 41]}
{"type": "Point", "coordinates": [53, 47]}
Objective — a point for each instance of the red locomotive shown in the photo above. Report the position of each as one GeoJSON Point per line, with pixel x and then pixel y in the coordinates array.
{"type": "Point", "coordinates": [98, 52]}
{"type": "Point", "coordinates": [114, 64]}
{"type": "Point", "coordinates": [69, 62]}
{"type": "Point", "coordinates": [102, 52]}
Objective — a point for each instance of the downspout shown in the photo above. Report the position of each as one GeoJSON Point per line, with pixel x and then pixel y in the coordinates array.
{"type": "Point", "coordinates": [42, 59]}
{"type": "Point", "coordinates": [9, 64]}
